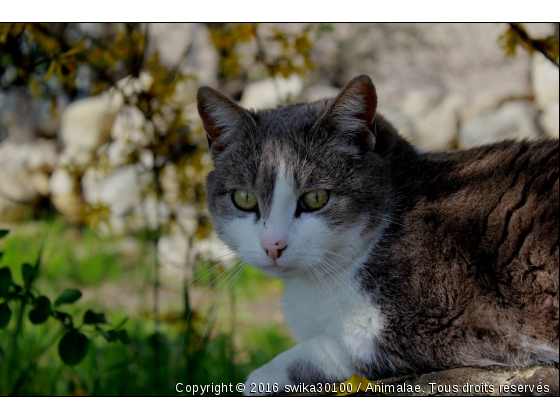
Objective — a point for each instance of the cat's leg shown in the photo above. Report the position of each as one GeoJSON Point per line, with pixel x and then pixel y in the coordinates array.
{"type": "Point", "coordinates": [319, 357]}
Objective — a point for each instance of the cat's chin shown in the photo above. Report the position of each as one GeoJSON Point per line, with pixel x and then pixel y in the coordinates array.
{"type": "Point", "coordinates": [278, 271]}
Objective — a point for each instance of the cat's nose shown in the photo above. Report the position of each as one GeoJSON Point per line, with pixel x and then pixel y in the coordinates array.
{"type": "Point", "coordinates": [274, 248]}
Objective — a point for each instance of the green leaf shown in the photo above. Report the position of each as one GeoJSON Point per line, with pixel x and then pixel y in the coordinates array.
{"type": "Point", "coordinates": [1, 255]}
{"type": "Point", "coordinates": [121, 324]}
{"type": "Point", "coordinates": [108, 335]}
{"type": "Point", "coordinates": [113, 335]}
{"type": "Point", "coordinates": [64, 318]}
{"type": "Point", "coordinates": [91, 317]}
{"type": "Point", "coordinates": [3, 233]}
{"type": "Point", "coordinates": [5, 315]}
{"type": "Point", "coordinates": [28, 273]}
{"type": "Point", "coordinates": [5, 281]}
{"type": "Point", "coordinates": [123, 337]}
{"type": "Point", "coordinates": [68, 296]}
{"type": "Point", "coordinates": [73, 347]}
{"type": "Point", "coordinates": [42, 310]}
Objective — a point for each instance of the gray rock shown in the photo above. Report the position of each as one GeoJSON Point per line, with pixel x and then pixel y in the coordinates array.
{"type": "Point", "coordinates": [24, 118]}
{"type": "Point", "coordinates": [549, 120]}
{"type": "Point", "coordinates": [173, 252]}
{"type": "Point", "coordinates": [86, 123]}
{"type": "Point", "coordinates": [460, 58]}
{"type": "Point", "coordinates": [544, 81]}
{"type": "Point", "coordinates": [271, 92]}
{"type": "Point", "coordinates": [25, 168]}
{"type": "Point", "coordinates": [65, 194]}
{"type": "Point", "coordinates": [433, 116]}
{"type": "Point", "coordinates": [437, 129]}
{"type": "Point", "coordinates": [403, 123]}
{"type": "Point", "coordinates": [317, 92]}
{"type": "Point", "coordinates": [118, 190]}
{"type": "Point", "coordinates": [514, 120]}
{"type": "Point", "coordinates": [172, 39]}
{"type": "Point", "coordinates": [419, 102]}
{"type": "Point", "coordinates": [486, 101]}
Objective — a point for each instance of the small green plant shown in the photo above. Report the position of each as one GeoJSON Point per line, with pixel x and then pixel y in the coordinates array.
{"type": "Point", "coordinates": [73, 346]}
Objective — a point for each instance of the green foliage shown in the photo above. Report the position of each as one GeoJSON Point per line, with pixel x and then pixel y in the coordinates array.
{"type": "Point", "coordinates": [118, 361]}
{"type": "Point", "coordinates": [42, 310]}
{"type": "Point", "coordinates": [5, 281]}
{"type": "Point", "coordinates": [28, 273]}
{"type": "Point", "coordinates": [73, 346]}
{"type": "Point", "coordinates": [93, 318]}
{"type": "Point", "coordinates": [81, 256]}
{"type": "Point", "coordinates": [5, 315]}
{"type": "Point", "coordinates": [68, 296]}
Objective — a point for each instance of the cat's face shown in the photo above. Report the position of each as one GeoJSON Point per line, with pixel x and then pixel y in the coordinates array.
{"type": "Point", "coordinates": [298, 188]}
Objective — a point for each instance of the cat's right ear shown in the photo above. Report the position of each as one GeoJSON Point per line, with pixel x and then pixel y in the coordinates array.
{"type": "Point", "coordinates": [353, 112]}
{"type": "Point", "coordinates": [222, 118]}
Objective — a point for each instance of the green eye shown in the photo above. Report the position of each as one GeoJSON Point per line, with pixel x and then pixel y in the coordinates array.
{"type": "Point", "coordinates": [245, 200]}
{"type": "Point", "coordinates": [314, 200]}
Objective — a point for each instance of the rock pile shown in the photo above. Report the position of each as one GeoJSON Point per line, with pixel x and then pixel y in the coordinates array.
{"type": "Point", "coordinates": [443, 86]}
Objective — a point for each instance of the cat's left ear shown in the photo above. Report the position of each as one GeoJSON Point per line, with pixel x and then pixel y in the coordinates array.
{"type": "Point", "coordinates": [353, 111]}
{"type": "Point", "coordinates": [222, 118]}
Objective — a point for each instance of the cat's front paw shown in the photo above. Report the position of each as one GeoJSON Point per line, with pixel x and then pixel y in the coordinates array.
{"type": "Point", "coordinates": [266, 380]}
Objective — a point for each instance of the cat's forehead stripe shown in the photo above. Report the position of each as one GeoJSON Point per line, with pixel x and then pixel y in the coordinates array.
{"type": "Point", "coordinates": [276, 187]}
{"type": "Point", "coordinates": [284, 200]}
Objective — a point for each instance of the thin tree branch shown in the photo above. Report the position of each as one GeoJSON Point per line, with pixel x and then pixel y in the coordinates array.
{"type": "Point", "coordinates": [533, 44]}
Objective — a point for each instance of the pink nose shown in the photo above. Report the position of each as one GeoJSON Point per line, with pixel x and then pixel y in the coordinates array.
{"type": "Point", "coordinates": [274, 248]}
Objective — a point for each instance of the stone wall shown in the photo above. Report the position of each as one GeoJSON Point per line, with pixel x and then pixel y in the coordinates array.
{"type": "Point", "coordinates": [445, 86]}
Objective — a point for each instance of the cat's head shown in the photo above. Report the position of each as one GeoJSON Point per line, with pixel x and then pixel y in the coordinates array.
{"type": "Point", "coordinates": [299, 186]}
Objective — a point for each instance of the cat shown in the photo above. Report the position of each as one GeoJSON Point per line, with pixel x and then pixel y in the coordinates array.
{"type": "Point", "coordinates": [394, 261]}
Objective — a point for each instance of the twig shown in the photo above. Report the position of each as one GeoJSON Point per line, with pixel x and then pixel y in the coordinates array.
{"type": "Point", "coordinates": [534, 44]}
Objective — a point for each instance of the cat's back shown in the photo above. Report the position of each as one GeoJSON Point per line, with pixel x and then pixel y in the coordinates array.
{"type": "Point", "coordinates": [499, 204]}
{"type": "Point", "coordinates": [477, 241]}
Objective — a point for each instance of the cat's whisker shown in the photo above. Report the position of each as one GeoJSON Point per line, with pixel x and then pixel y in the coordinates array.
{"type": "Point", "coordinates": [161, 256]}
{"type": "Point", "coordinates": [230, 284]}
{"type": "Point", "coordinates": [325, 285]}
{"type": "Point", "coordinates": [340, 255]}
{"type": "Point", "coordinates": [330, 262]}
{"type": "Point", "coordinates": [332, 275]}
{"type": "Point", "coordinates": [330, 290]}
{"type": "Point", "coordinates": [209, 271]}
{"type": "Point", "coordinates": [361, 268]}
{"type": "Point", "coordinates": [334, 262]}
{"type": "Point", "coordinates": [219, 258]}
{"type": "Point", "coordinates": [308, 270]}
{"type": "Point", "coordinates": [333, 271]}
{"type": "Point", "coordinates": [387, 220]}
{"type": "Point", "coordinates": [330, 271]}
{"type": "Point", "coordinates": [230, 270]}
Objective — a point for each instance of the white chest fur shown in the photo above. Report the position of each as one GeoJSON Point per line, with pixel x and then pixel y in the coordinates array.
{"type": "Point", "coordinates": [332, 304]}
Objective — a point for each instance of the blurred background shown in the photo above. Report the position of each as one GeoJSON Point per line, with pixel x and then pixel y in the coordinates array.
{"type": "Point", "coordinates": [112, 281]}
